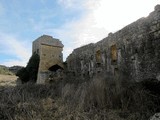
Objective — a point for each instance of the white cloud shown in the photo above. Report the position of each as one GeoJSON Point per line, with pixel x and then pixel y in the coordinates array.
{"type": "Point", "coordinates": [99, 18]}
{"type": "Point", "coordinates": [113, 15]}
{"type": "Point", "coordinates": [102, 17]}
{"type": "Point", "coordinates": [67, 51]}
{"type": "Point", "coordinates": [12, 46]}
{"type": "Point", "coordinates": [13, 62]}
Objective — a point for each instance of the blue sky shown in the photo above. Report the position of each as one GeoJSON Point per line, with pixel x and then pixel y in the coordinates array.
{"type": "Point", "coordinates": [74, 22]}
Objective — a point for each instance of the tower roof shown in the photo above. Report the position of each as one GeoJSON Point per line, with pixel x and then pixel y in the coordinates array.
{"type": "Point", "coordinates": [49, 40]}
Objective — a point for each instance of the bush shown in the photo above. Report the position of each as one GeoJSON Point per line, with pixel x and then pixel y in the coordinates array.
{"type": "Point", "coordinates": [29, 73]}
{"type": "Point", "coordinates": [23, 75]}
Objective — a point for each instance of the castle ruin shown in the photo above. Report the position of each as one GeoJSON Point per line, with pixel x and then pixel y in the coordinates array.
{"type": "Point", "coordinates": [51, 58]}
{"type": "Point", "coordinates": [132, 53]}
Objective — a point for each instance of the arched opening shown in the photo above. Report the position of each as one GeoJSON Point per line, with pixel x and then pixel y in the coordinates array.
{"type": "Point", "coordinates": [54, 68]}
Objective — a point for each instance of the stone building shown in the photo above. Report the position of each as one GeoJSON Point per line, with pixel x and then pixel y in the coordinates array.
{"type": "Point", "coordinates": [51, 58]}
{"type": "Point", "coordinates": [132, 53]}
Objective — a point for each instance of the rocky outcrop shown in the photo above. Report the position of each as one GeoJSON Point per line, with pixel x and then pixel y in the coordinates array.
{"type": "Point", "coordinates": [156, 116]}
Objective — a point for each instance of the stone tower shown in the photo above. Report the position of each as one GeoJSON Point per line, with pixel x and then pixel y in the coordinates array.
{"type": "Point", "coordinates": [51, 58]}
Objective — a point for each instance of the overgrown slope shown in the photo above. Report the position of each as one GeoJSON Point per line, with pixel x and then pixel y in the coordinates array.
{"type": "Point", "coordinates": [97, 99]}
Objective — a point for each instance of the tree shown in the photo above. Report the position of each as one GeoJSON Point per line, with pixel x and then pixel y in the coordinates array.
{"type": "Point", "coordinates": [23, 75]}
{"type": "Point", "coordinates": [32, 66]}
{"type": "Point", "coordinates": [29, 73]}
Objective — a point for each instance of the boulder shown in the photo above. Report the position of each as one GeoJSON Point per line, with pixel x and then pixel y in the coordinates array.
{"type": "Point", "coordinates": [156, 116]}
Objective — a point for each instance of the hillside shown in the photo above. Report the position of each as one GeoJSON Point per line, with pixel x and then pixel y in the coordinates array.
{"type": "Point", "coordinates": [4, 70]}
{"type": "Point", "coordinates": [7, 75]}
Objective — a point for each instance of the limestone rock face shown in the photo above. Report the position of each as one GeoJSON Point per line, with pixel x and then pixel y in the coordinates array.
{"type": "Point", "coordinates": [156, 116]}
{"type": "Point", "coordinates": [51, 57]}
{"type": "Point", "coordinates": [132, 53]}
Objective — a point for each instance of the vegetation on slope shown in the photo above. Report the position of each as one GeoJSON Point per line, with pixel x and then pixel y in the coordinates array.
{"type": "Point", "coordinates": [14, 69]}
{"type": "Point", "coordinates": [98, 99]}
{"type": "Point", "coordinates": [4, 71]}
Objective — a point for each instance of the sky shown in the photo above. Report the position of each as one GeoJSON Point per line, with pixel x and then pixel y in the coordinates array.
{"type": "Point", "coordinates": [74, 22]}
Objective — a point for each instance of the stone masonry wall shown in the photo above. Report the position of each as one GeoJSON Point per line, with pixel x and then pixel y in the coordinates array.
{"type": "Point", "coordinates": [132, 53]}
{"type": "Point", "coordinates": [50, 52]}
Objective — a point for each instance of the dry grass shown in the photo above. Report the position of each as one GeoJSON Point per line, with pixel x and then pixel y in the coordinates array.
{"type": "Point", "coordinates": [103, 100]}
{"type": "Point", "coordinates": [9, 80]}
{"type": "Point", "coordinates": [28, 102]}
{"type": "Point", "coordinates": [98, 99]}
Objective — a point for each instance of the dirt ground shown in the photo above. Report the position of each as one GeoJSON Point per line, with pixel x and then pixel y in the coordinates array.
{"type": "Point", "coordinates": [7, 80]}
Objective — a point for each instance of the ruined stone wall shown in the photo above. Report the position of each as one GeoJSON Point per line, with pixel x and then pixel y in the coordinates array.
{"type": "Point", "coordinates": [132, 53]}
{"type": "Point", "coordinates": [50, 52]}
{"type": "Point", "coordinates": [50, 56]}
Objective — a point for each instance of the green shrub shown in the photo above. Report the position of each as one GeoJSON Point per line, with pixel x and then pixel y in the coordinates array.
{"type": "Point", "coordinates": [29, 73]}
{"type": "Point", "coordinates": [23, 75]}
{"type": "Point", "coordinates": [32, 67]}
